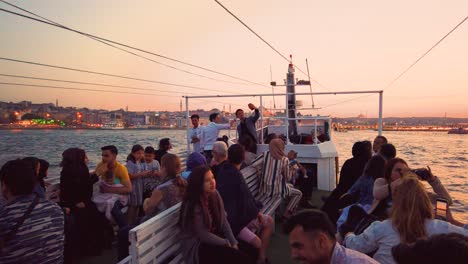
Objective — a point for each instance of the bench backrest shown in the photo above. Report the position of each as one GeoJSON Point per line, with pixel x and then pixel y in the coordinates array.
{"type": "Point", "coordinates": [156, 240]}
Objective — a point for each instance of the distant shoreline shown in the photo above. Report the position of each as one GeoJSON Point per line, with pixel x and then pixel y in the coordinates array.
{"type": "Point", "coordinates": [85, 128]}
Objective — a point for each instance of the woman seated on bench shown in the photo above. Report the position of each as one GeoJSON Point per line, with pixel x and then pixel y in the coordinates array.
{"type": "Point", "coordinates": [206, 234]}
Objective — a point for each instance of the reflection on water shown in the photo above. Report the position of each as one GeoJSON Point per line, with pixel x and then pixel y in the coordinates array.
{"type": "Point", "coordinates": [446, 154]}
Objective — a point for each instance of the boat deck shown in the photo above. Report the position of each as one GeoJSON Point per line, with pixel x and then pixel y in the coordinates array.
{"type": "Point", "coordinates": [278, 252]}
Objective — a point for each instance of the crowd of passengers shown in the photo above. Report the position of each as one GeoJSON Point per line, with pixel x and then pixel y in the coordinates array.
{"type": "Point", "coordinates": [380, 211]}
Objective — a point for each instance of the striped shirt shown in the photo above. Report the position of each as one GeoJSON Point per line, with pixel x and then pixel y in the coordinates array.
{"type": "Point", "coordinates": [40, 239]}
{"type": "Point", "coordinates": [276, 175]}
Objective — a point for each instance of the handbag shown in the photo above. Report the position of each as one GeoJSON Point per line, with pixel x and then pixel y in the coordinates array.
{"type": "Point", "coordinates": [10, 235]}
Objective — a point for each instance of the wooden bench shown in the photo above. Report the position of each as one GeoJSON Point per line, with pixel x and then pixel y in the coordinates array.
{"type": "Point", "coordinates": [156, 240]}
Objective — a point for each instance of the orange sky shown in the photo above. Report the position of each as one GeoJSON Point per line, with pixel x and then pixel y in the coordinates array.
{"type": "Point", "coordinates": [350, 45]}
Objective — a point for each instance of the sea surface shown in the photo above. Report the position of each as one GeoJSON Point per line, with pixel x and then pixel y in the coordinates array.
{"type": "Point", "coordinates": [447, 155]}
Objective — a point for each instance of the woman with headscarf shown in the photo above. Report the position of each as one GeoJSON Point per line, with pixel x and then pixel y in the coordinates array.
{"type": "Point", "coordinates": [277, 173]}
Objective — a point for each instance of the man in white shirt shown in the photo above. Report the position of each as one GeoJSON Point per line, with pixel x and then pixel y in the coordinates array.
{"type": "Point", "coordinates": [196, 133]}
{"type": "Point", "coordinates": [210, 134]}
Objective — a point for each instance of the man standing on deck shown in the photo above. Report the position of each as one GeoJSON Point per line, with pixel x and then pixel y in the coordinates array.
{"type": "Point", "coordinates": [378, 142]}
{"type": "Point", "coordinates": [247, 127]}
{"type": "Point", "coordinates": [109, 168]}
{"type": "Point", "coordinates": [196, 133]}
{"type": "Point", "coordinates": [210, 134]}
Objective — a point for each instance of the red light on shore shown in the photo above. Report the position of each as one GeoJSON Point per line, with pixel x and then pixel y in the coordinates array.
{"type": "Point", "coordinates": [17, 113]}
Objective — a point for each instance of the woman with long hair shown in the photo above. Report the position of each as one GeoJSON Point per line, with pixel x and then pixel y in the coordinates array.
{"type": "Point", "coordinates": [411, 218]}
{"type": "Point", "coordinates": [394, 171]}
{"type": "Point", "coordinates": [171, 191]}
{"type": "Point", "coordinates": [206, 234]}
{"type": "Point", "coordinates": [76, 191]}
{"type": "Point", "coordinates": [277, 173]}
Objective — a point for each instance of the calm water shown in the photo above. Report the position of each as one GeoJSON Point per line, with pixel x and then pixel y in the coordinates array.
{"type": "Point", "coordinates": [446, 154]}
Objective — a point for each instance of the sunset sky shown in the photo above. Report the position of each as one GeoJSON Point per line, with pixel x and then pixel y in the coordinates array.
{"type": "Point", "coordinates": [350, 45]}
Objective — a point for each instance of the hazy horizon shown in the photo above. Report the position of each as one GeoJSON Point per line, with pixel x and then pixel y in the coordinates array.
{"type": "Point", "coordinates": [358, 45]}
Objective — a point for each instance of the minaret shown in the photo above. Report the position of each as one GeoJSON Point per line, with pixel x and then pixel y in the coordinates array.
{"type": "Point", "coordinates": [180, 105]}
{"type": "Point", "coordinates": [56, 102]}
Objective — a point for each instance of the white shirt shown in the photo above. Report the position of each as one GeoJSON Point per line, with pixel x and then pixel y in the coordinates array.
{"type": "Point", "coordinates": [382, 236]}
{"type": "Point", "coordinates": [196, 132]}
{"type": "Point", "coordinates": [210, 134]}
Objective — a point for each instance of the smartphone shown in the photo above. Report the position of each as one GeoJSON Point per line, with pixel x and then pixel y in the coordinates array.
{"type": "Point", "coordinates": [441, 208]}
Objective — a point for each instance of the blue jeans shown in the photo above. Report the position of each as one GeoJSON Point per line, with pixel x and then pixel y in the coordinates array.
{"type": "Point", "coordinates": [119, 217]}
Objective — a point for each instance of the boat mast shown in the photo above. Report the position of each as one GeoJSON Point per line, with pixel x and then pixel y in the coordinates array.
{"type": "Point", "coordinates": [291, 95]}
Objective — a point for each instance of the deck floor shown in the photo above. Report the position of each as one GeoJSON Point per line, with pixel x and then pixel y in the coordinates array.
{"type": "Point", "coordinates": [278, 252]}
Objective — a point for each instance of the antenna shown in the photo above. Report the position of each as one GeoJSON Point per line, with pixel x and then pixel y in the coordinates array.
{"type": "Point", "coordinates": [310, 85]}
{"type": "Point", "coordinates": [272, 89]}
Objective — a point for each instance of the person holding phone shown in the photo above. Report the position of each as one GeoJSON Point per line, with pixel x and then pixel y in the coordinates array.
{"type": "Point", "coordinates": [246, 127]}
{"type": "Point", "coordinates": [394, 171]}
{"type": "Point", "coordinates": [412, 218]}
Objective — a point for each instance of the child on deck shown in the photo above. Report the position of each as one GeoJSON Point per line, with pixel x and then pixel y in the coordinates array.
{"type": "Point", "coordinates": [105, 201]}
{"type": "Point", "coordinates": [136, 172]}
{"type": "Point", "coordinates": [154, 177]}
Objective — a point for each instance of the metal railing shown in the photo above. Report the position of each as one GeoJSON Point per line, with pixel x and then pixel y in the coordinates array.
{"type": "Point", "coordinates": [260, 96]}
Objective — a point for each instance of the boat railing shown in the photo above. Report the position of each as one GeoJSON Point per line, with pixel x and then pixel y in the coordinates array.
{"type": "Point", "coordinates": [285, 118]}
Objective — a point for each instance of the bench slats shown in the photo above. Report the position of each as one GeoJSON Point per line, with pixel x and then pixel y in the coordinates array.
{"type": "Point", "coordinates": [158, 237]}
{"type": "Point", "coordinates": [171, 245]}
{"type": "Point", "coordinates": [157, 240]}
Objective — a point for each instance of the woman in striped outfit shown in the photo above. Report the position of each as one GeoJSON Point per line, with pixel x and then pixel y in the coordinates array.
{"type": "Point", "coordinates": [277, 173]}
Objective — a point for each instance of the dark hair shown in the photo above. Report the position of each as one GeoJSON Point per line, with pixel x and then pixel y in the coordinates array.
{"type": "Point", "coordinates": [43, 172]}
{"type": "Point", "coordinates": [172, 165]}
{"type": "Point", "coordinates": [111, 148]}
{"type": "Point", "coordinates": [195, 116]}
{"type": "Point", "coordinates": [270, 137]}
{"type": "Point", "coordinates": [375, 167]}
{"type": "Point", "coordinates": [362, 150]}
{"type": "Point", "coordinates": [388, 151]}
{"type": "Point", "coordinates": [366, 149]}
{"type": "Point", "coordinates": [34, 162]}
{"type": "Point", "coordinates": [223, 139]}
{"type": "Point", "coordinates": [442, 248]}
{"type": "Point", "coordinates": [149, 150]}
{"type": "Point", "coordinates": [193, 198]}
{"type": "Point", "coordinates": [238, 110]}
{"type": "Point", "coordinates": [389, 167]}
{"type": "Point", "coordinates": [164, 143]}
{"type": "Point", "coordinates": [135, 148]}
{"type": "Point", "coordinates": [385, 141]}
{"type": "Point", "coordinates": [19, 176]}
{"type": "Point", "coordinates": [73, 157]}
{"type": "Point", "coordinates": [311, 221]}
{"type": "Point", "coordinates": [73, 166]}
{"type": "Point", "coordinates": [236, 154]}
{"type": "Point", "coordinates": [213, 116]}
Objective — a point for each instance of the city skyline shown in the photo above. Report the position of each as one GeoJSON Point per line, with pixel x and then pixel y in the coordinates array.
{"type": "Point", "coordinates": [361, 45]}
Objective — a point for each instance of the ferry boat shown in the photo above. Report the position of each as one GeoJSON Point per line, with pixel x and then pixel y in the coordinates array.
{"type": "Point", "coordinates": [460, 131]}
{"type": "Point", "coordinates": [310, 136]}
{"type": "Point", "coordinates": [111, 125]}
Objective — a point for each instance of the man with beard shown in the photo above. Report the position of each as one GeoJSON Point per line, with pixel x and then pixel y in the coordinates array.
{"type": "Point", "coordinates": [312, 241]}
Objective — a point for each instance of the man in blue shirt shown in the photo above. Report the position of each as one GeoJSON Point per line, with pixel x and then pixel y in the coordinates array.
{"type": "Point", "coordinates": [210, 134]}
